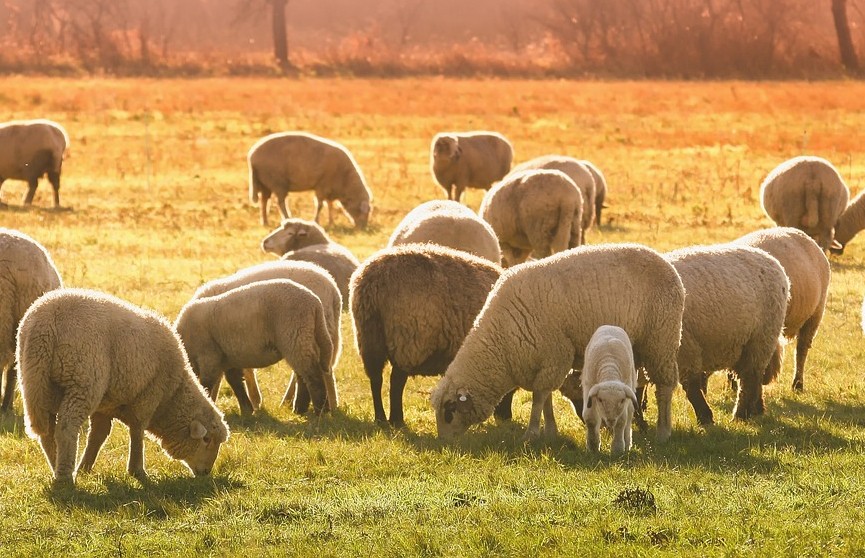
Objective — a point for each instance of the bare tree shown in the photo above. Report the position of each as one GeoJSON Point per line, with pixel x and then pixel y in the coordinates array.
{"type": "Point", "coordinates": [845, 41]}
{"type": "Point", "coordinates": [254, 9]}
{"type": "Point", "coordinates": [406, 14]}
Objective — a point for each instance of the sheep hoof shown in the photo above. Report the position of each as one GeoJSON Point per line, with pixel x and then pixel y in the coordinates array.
{"type": "Point", "coordinates": [63, 482]}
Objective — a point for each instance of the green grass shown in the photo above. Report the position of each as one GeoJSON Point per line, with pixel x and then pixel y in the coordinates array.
{"type": "Point", "coordinates": [157, 185]}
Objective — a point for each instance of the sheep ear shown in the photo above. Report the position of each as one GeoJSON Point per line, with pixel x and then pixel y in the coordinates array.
{"type": "Point", "coordinates": [458, 151]}
{"type": "Point", "coordinates": [633, 397]}
{"type": "Point", "coordinates": [197, 430]}
{"type": "Point", "coordinates": [302, 232]}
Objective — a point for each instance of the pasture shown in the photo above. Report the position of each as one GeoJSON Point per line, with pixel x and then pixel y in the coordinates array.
{"type": "Point", "coordinates": [156, 184]}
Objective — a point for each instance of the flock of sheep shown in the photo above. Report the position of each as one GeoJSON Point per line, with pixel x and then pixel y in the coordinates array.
{"type": "Point", "coordinates": [454, 293]}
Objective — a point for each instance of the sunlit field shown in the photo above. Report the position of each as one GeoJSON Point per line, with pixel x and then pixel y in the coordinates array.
{"type": "Point", "coordinates": [156, 189]}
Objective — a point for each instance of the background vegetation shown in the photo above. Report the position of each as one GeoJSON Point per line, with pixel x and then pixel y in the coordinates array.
{"type": "Point", "coordinates": [156, 186]}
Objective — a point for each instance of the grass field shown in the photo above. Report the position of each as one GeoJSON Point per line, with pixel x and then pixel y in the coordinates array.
{"type": "Point", "coordinates": [157, 186]}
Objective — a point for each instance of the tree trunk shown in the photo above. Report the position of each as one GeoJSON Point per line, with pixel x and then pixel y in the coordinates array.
{"type": "Point", "coordinates": [280, 39]}
{"type": "Point", "coordinates": [845, 41]}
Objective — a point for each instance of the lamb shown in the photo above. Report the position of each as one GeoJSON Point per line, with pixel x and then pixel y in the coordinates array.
{"type": "Point", "coordinates": [461, 160]}
{"type": "Point", "coordinates": [807, 269]}
{"type": "Point", "coordinates": [806, 193]}
{"type": "Point", "coordinates": [256, 325]}
{"type": "Point", "coordinates": [412, 305]}
{"type": "Point", "coordinates": [448, 223]}
{"type": "Point", "coordinates": [296, 161]}
{"type": "Point", "coordinates": [535, 212]}
{"type": "Point", "coordinates": [577, 171]}
{"type": "Point", "coordinates": [87, 354]}
{"type": "Point", "coordinates": [851, 221]}
{"type": "Point", "coordinates": [311, 276]}
{"type": "Point", "coordinates": [26, 273]}
{"type": "Point", "coordinates": [609, 379]}
{"type": "Point", "coordinates": [734, 312]}
{"type": "Point", "coordinates": [600, 188]}
{"type": "Point", "coordinates": [301, 240]}
{"type": "Point", "coordinates": [538, 319]}
{"type": "Point", "coordinates": [30, 149]}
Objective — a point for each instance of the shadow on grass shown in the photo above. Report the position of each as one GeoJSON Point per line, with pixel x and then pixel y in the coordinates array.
{"type": "Point", "coordinates": [159, 498]}
{"type": "Point", "coordinates": [337, 424]}
{"type": "Point", "coordinates": [12, 423]}
{"type": "Point", "coordinates": [839, 265]}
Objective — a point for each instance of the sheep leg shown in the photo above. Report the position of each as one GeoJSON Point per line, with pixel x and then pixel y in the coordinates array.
{"type": "Point", "coordinates": [302, 398]}
{"type": "Point", "coordinates": [70, 416]}
{"type": "Point", "coordinates": [504, 409]}
{"type": "Point", "coordinates": [664, 399]}
{"type": "Point", "coordinates": [593, 433]}
{"type": "Point", "coordinates": [374, 373]}
{"type": "Point", "coordinates": [803, 345]}
{"type": "Point", "coordinates": [458, 192]}
{"type": "Point", "coordinates": [9, 395]}
{"type": "Point", "coordinates": [330, 388]}
{"type": "Point", "coordinates": [212, 387]}
{"type": "Point", "coordinates": [398, 379]}
{"type": "Point", "coordinates": [54, 179]}
{"type": "Point", "coordinates": [319, 203]}
{"type": "Point", "coordinates": [283, 210]}
{"type": "Point", "coordinates": [32, 183]}
{"type": "Point", "coordinates": [100, 428]}
{"type": "Point", "coordinates": [539, 399]}
{"type": "Point", "coordinates": [626, 427]}
{"type": "Point", "coordinates": [773, 369]}
{"type": "Point", "coordinates": [2, 204]}
{"type": "Point", "coordinates": [622, 434]}
{"type": "Point", "coordinates": [252, 388]}
{"type": "Point", "coordinates": [639, 417]}
{"type": "Point", "coordinates": [291, 390]}
{"type": "Point", "coordinates": [135, 465]}
{"type": "Point", "coordinates": [697, 397]}
{"type": "Point", "coordinates": [750, 398]}
{"type": "Point", "coordinates": [329, 212]}
{"type": "Point", "coordinates": [263, 198]}
{"type": "Point", "coordinates": [48, 441]}
{"type": "Point", "coordinates": [234, 377]}
{"type": "Point", "coordinates": [551, 430]}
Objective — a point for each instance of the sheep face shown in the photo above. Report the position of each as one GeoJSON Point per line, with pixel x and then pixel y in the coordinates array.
{"type": "Point", "coordinates": [198, 450]}
{"type": "Point", "coordinates": [446, 148]}
{"type": "Point", "coordinates": [455, 409]}
{"type": "Point", "coordinates": [358, 210]}
{"type": "Point", "coordinates": [609, 403]}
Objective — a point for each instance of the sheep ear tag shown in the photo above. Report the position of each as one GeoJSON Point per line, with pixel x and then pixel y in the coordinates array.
{"type": "Point", "coordinates": [197, 430]}
{"type": "Point", "coordinates": [464, 401]}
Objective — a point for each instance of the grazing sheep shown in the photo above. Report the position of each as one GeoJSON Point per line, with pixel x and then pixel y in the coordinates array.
{"type": "Point", "coordinates": [469, 160]}
{"type": "Point", "coordinates": [448, 223]}
{"type": "Point", "coordinates": [807, 269]}
{"type": "Point", "coordinates": [311, 276]}
{"type": "Point", "coordinates": [26, 273]}
{"type": "Point", "coordinates": [577, 171]}
{"type": "Point", "coordinates": [806, 193]}
{"type": "Point", "coordinates": [734, 312]}
{"type": "Point", "coordinates": [609, 379]}
{"type": "Point", "coordinates": [256, 326]}
{"type": "Point", "coordinates": [538, 319]}
{"type": "Point", "coordinates": [412, 305]}
{"type": "Point", "coordinates": [298, 161]}
{"type": "Point", "coordinates": [30, 149]}
{"type": "Point", "coordinates": [600, 188]}
{"type": "Point", "coordinates": [87, 354]}
{"type": "Point", "coordinates": [534, 212]}
{"type": "Point", "coordinates": [301, 240]}
{"type": "Point", "coordinates": [851, 221]}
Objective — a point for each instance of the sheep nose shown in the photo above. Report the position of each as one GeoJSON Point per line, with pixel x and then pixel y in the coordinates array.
{"type": "Point", "coordinates": [202, 472]}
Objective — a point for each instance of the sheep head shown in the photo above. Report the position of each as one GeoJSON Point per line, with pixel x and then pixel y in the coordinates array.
{"type": "Point", "coordinates": [358, 209]}
{"type": "Point", "coordinates": [455, 409]}
{"type": "Point", "coordinates": [294, 234]}
{"type": "Point", "coordinates": [609, 402]}
{"type": "Point", "coordinates": [446, 147]}
{"type": "Point", "coordinates": [199, 444]}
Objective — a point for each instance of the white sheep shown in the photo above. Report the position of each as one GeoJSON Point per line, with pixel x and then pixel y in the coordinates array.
{"type": "Point", "coordinates": [808, 270]}
{"type": "Point", "coordinates": [734, 312]}
{"type": "Point", "coordinates": [30, 149]}
{"type": "Point", "coordinates": [300, 240]}
{"type": "Point", "coordinates": [806, 193]}
{"type": "Point", "coordinates": [87, 354]}
{"type": "Point", "coordinates": [448, 223]}
{"type": "Point", "coordinates": [538, 319]}
{"type": "Point", "coordinates": [609, 379]}
{"type": "Point", "coordinates": [460, 160]}
{"type": "Point", "coordinates": [26, 273]}
{"type": "Point", "coordinates": [537, 212]}
{"type": "Point", "coordinates": [600, 188]}
{"type": "Point", "coordinates": [256, 326]}
{"type": "Point", "coordinates": [311, 276]}
{"type": "Point", "coordinates": [577, 171]}
{"type": "Point", "coordinates": [850, 222]}
{"type": "Point", "coordinates": [297, 161]}
{"type": "Point", "coordinates": [412, 305]}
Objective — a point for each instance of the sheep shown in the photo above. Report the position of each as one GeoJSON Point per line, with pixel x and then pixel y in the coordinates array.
{"type": "Point", "coordinates": [806, 193]}
{"type": "Point", "coordinates": [535, 212]}
{"type": "Point", "coordinates": [301, 240]}
{"type": "Point", "coordinates": [83, 354]}
{"type": "Point", "coordinates": [538, 319]}
{"type": "Point", "coordinates": [609, 379]}
{"type": "Point", "coordinates": [448, 223]}
{"type": "Point", "coordinates": [734, 312]}
{"type": "Point", "coordinates": [30, 149]}
{"type": "Point", "coordinates": [26, 273]}
{"type": "Point", "coordinates": [412, 305]}
{"type": "Point", "coordinates": [296, 161]}
{"type": "Point", "coordinates": [577, 171]}
{"type": "Point", "coordinates": [600, 188]}
{"type": "Point", "coordinates": [851, 221]}
{"type": "Point", "coordinates": [311, 276]}
{"type": "Point", "coordinates": [255, 326]}
{"type": "Point", "coordinates": [460, 160]}
{"type": "Point", "coordinates": [807, 269]}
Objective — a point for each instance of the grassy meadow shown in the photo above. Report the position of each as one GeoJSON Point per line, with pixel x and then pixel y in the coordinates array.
{"type": "Point", "coordinates": [156, 187]}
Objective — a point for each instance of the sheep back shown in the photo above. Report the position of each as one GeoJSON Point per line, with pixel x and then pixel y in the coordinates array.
{"type": "Point", "coordinates": [536, 211]}
{"type": "Point", "coordinates": [461, 160]}
{"type": "Point", "coordinates": [25, 142]}
{"type": "Point", "coordinates": [335, 258]}
{"type": "Point", "coordinates": [578, 171]}
{"type": "Point", "coordinates": [806, 193]}
{"type": "Point", "coordinates": [451, 224]}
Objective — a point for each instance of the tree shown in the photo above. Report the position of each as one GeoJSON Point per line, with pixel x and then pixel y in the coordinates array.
{"type": "Point", "coordinates": [252, 9]}
{"type": "Point", "coordinates": [845, 41]}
